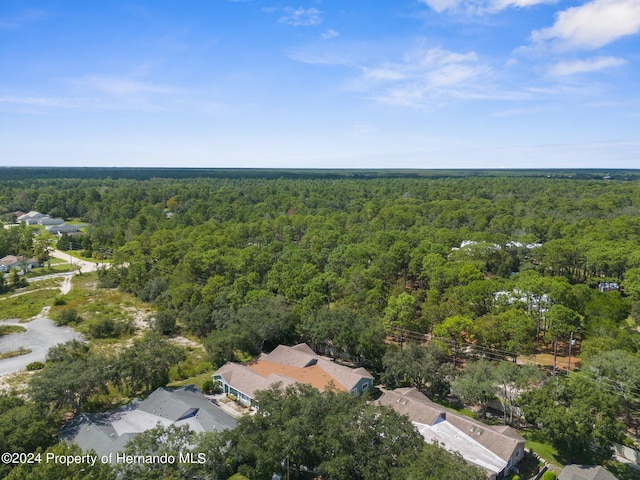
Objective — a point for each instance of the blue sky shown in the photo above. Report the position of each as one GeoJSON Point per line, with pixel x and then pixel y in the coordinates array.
{"type": "Point", "coordinates": [314, 84]}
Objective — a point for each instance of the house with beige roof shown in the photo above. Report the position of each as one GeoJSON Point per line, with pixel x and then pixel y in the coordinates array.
{"type": "Point", "coordinates": [18, 263]}
{"type": "Point", "coordinates": [289, 365]}
{"type": "Point", "coordinates": [495, 449]}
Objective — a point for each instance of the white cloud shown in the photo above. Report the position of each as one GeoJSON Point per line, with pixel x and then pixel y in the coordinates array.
{"type": "Point", "coordinates": [572, 67]}
{"type": "Point", "coordinates": [425, 78]}
{"type": "Point", "coordinates": [301, 17]}
{"type": "Point", "coordinates": [329, 34]}
{"type": "Point", "coordinates": [97, 92]}
{"type": "Point", "coordinates": [34, 101]}
{"type": "Point", "coordinates": [592, 25]}
{"type": "Point", "coordinates": [442, 5]}
{"type": "Point", "coordinates": [122, 86]}
{"type": "Point", "coordinates": [480, 7]}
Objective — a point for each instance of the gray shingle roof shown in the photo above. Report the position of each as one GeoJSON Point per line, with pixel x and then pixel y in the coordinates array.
{"type": "Point", "coordinates": [109, 432]}
{"type": "Point", "coordinates": [585, 472]}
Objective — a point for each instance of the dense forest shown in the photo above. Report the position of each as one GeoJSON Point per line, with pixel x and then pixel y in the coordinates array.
{"type": "Point", "coordinates": [483, 268]}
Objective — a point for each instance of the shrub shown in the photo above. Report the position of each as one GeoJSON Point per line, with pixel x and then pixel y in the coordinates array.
{"type": "Point", "coordinates": [33, 366]}
{"type": "Point", "coordinates": [165, 322]}
{"type": "Point", "coordinates": [152, 289]}
{"type": "Point", "coordinates": [67, 316]}
{"type": "Point", "coordinates": [549, 475]}
{"type": "Point", "coordinates": [58, 301]}
{"type": "Point", "coordinates": [210, 387]}
{"type": "Point", "coordinates": [109, 328]}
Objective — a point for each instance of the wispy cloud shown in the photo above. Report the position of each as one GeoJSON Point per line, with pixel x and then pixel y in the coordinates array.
{"type": "Point", "coordinates": [122, 85]}
{"type": "Point", "coordinates": [22, 19]}
{"type": "Point", "coordinates": [480, 7]}
{"type": "Point", "coordinates": [592, 25]}
{"type": "Point", "coordinates": [514, 112]}
{"type": "Point", "coordinates": [34, 101]}
{"type": "Point", "coordinates": [573, 67]}
{"type": "Point", "coordinates": [104, 92]}
{"type": "Point", "coordinates": [329, 34]}
{"type": "Point", "coordinates": [422, 77]}
{"type": "Point", "coordinates": [425, 78]}
{"type": "Point", "coordinates": [304, 17]}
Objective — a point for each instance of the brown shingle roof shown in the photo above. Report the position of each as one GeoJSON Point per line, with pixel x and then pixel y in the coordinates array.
{"type": "Point", "coordinates": [501, 440]}
{"type": "Point", "coordinates": [289, 365]}
{"type": "Point", "coordinates": [291, 356]}
{"type": "Point", "coordinates": [8, 260]}
{"type": "Point", "coordinates": [346, 376]}
{"type": "Point", "coordinates": [313, 375]}
{"type": "Point", "coordinates": [249, 381]}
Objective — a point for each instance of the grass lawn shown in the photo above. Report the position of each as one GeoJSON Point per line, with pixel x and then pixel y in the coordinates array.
{"type": "Point", "coordinates": [15, 353]}
{"type": "Point", "coordinates": [197, 380]}
{"type": "Point", "coordinates": [545, 450]}
{"type": "Point", "coordinates": [40, 284]}
{"type": "Point", "coordinates": [76, 254]}
{"type": "Point", "coordinates": [38, 272]}
{"type": "Point", "coordinates": [90, 301]}
{"type": "Point", "coordinates": [458, 407]}
{"type": "Point", "coordinates": [27, 305]}
{"type": "Point", "coordinates": [7, 329]}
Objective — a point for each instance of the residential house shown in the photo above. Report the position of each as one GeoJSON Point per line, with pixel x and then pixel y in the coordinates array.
{"type": "Point", "coordinates": [31, 218]}
{"type": "Point", "coordinates": [108, 433]}
{"type": "Point", "coordinates": [289, 365]}
{"type": "Point", "coordinates": [63, 228]}
{"type": "Point", "coordinates": [50, 221]}
{"type": "Point", "coordinates": [585, 472]}
{"type": "Point", "coordinates": [495, 449]}
{"type": "Point", "coordinates": [18, 263]}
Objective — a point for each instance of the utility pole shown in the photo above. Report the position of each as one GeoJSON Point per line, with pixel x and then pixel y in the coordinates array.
{"type": "Point", "coordinates": [570, 344]}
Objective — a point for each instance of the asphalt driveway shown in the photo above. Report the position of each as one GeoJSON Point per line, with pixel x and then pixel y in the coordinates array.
{"type": "Point", "coordinates": [42, 333]}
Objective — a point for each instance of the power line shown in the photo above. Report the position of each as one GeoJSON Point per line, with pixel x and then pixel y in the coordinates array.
{"type": "Point", "coordinates": [501, 355]}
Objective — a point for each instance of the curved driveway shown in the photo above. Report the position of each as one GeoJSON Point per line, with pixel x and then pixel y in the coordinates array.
{"type": "Point", "coordinates": [41, 334]}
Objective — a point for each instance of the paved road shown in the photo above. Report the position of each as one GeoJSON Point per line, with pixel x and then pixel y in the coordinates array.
{"type": "Point", "coordinates": [84, 265]}
{"type": "Point", "coordinates": [41, 334]}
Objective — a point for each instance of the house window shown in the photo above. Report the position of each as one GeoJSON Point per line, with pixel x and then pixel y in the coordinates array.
{"type": "Point", "coordinates": [365, 386]}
